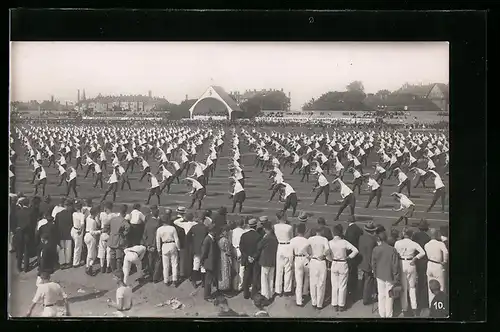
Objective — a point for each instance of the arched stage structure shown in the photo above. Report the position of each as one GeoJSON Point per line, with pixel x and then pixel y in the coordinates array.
{"type": "Point", "coordinates": [215, 101]}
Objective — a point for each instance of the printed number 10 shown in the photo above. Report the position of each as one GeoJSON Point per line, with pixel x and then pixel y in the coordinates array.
{"type": "Point", "coordinates": [438, 305]}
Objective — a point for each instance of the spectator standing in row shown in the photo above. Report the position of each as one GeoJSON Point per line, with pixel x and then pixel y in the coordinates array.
{"type": "Point", "coordinates": [284, 260]}
{"type": "Point", "coordinates": [437, 256]}
{"type": "Point", "coordinates": [209, 259]}
{"type": "Point", "coordinates": [249, 255]}
{"type": "Point", "coordinates": [421, 237]}
{"type": "Point", "coordinates": [64, 223]}
{"type": "Point", "coordinates": [149, 241]}
{"type": "Point", "coordinates": [118, 232]}
{"type": "Point", "coordinates": [195, 238]}
{"type": "Point", "coordinates": [317, 268]}
{"type": "Point", "coordinates": [386, 268]}
{"type": "Point", "coordinates": [239, 268]}
{"type": "Point", "coordinates": [352, 235]}
{"type": "Point", "coordinates": [267, 251]}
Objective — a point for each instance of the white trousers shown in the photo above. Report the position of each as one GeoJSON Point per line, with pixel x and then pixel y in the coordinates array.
{"type": "Point", "coordinates": [65, 252]}
{"type": "Point", "coordinates": [301, 278]}
{"type": "Point", "coordinates": [103, 252]}
{"type": "Point", "coordinates": [91, 244]}
{"type": "Point", "coordinates": [197, 264]}
{"type": "Point", "coordinates": [238, 279]}
{"type": "Point", "coordinates": [409, 283]}
{"type": "Point", "coordinates": [49, 312]}
{"type": "Point", "coordinates": [339, 272]}
{"type": "Point", "coordinates": [317, 280]}
{"type": "Point", "coordinates": [78, 240]}
{"type": "Point", "coordinates": [131, 258]}
{"type": "Point", "coordinates": [384, 300]}
{"type": "Point", "coordinates": [266, 281]}
{"type": "Point", "coordinates": [435, 271]}
{"type": "Point", "coordinates": [284, 262]}
{"type": "Point", "coordinates": [170, 258]}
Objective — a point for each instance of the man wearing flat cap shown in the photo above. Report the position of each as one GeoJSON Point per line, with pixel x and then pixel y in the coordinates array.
{"type": "Point", "coordinates": [194, 238]}
{"type": "Point", "coordinates": [249, 259]}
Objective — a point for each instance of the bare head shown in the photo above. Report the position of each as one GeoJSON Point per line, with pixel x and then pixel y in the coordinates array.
{"type": "Point", "coordinates": [434, 234]}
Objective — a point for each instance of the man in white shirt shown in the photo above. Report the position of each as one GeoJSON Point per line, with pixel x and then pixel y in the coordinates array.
{"type": "Point", "coordinates": [77, 234]}
{"type": "Point", "coordinates": [41, 181]}
{"type": "Point", "coordinates": [317, 268]}
{"type": "Point", "coordinates": [437, 257]}
{"type": "Point", "coordinates": [348, 199]}
{"type": "Point", "coordinates": [167, 244]}
{"type": "Point", "coordinates": [237, 232]}
{"type": "Point", "coordinates": [284, 255]}
{"type": "Point", "coordinates": [154, 189]}
{"type": "Point", "coordinates": [92, 233]}
{"type": "Point", "coordinates": [49, 293]}
{"type": "Point", "coordinates": [290, 198]}
{"type": "Point", "coordinates": [113, 186]}
{"type": "Point", "coordinates": [71, 182]}
{"type": "Point", "coordinates": [340, 269]}
{"type": "Point", "coordinates": [439, 192]}
{"type": "Point", "coordinates": [409, 252]}
{"type": "Point", "coordinates": [404, 181]}
{"type": "Point", "coordinates": [238, 195]}
{"type": "Point", "coordinates": [324, 187]}
{"type": "Point", "coordinates": [198, 192]}
{"type": "Point", "coordinates": [406, 205]}
{"type": "Point", "coordinates": [375, 191]}
{"type": "Point", "coordinates": [137, 219]}
{"type": "Point", "coordinates": [145, 168]}
{"type": "Point", "coordinates": [301, 253]}
{"type": "Point", "coordinates": [133, 256]}
{"type": "Point", "coordinates": [422, 176]}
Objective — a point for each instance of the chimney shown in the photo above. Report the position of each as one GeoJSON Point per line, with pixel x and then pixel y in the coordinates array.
{"type": "Point", "coordinates": [52, 98]}
{"type": "Point", "coordinates": [149, 94]}
{"type": "Point", "coordinates": [83, 97]}
{"type": "Point", "coordinates": [186, 97]}
{"type": "Point", "coordinates": [78, 95]}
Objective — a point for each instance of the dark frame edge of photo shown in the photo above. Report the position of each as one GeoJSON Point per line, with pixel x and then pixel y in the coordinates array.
{"type": "Point", "coordinates": [464, 30]}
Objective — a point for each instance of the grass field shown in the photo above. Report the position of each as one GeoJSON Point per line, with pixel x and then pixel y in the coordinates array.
{"type": "Point", "coordinates": [256, 204]}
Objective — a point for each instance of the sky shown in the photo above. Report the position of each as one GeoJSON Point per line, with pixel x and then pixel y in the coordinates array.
{"type": "Point", "coordinates": [174, 70]}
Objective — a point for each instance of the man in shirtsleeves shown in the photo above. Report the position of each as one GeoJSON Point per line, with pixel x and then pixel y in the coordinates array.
{"type": "Point", "coordinates": [301, 253]}
{"type": "Point", "coordinates": [183, 223]}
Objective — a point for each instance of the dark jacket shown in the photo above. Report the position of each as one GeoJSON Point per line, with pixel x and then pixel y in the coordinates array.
{"type": "Point", "coordinates": [210, 254]}
{"type": "Point", "coordinates": [219, 220]}
{"type": "Point", "coordinates": [421, 238]}
{"type": "Point", "coordinates": [49, 230]}
{"type": "Point", "coordinates": [385, 263]}
{"type": "Point", "coordinates": [149, 235]}
{"type": "Point", "coordinates": [23, 218]}
{"type": "Point", "coordinates": [118, 232]}
{"type": "Point", "coordinates": [366, 244]}
{"type": "Point", "coordinates": [267, 248]}
{"type": "Point", "coordinates": [307, 233]}
{"type": "Point", "coordinates": [47, 258]}
{"type": "Point", "coordinates": [64, 223]}
{"type": "Point", "coordinates": [44, 207]}
{"type": "Point", "coordinates": [248, 246]}
{"type": "Point", "coordinates": [196, 236]}
{"type": "Point", "coordinates": [327, 232]}
{"type": "Point", "coordinates": [181, 234]}
{"type": "Point", "coordinates": [352, 234]}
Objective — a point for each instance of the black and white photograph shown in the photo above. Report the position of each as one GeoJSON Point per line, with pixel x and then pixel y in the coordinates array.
{"type": "Point", "coordinates": [229, 179]}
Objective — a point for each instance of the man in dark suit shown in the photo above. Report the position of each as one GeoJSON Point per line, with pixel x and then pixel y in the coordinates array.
{"type": "Point", "coordinates": [367, 241]}
{"type": "Point", "coordinates": [194, 238]}
{"type": "Point", "coordinates": [149, 241]}
{"type": "Point", "coordinates": [421, 237]}
{"type": "Point", "coordinates": [249, 255]}
{"type": "Point", "coordinates": [267, 249]}
{"type": "Point", "coordinates": [45, 206]}
{"type": "Point", "coordinates": [325, 230]}
{"type": "Point", "coordinates": [220, 218]}
{"type": "Point", "coordinates": [210, 257]}
{"type": "Point", "coordinates": [64, 224]}
{"type": "Point", "coordinates": [49, 231]}
{"type": "Point", "coordinates": [23, 236]}
{"type": "Point", "coordinates": [352, 235]}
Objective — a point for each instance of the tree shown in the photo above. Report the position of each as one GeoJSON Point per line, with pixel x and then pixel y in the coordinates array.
{"type": "Point", "coordinates": [250, 108]}
{"type": "Point", "coordinates": [355, 86]}
{"type": "Point", "coordinates": [383, 93]}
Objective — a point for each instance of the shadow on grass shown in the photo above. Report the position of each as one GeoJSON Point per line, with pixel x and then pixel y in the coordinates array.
{"type": "Point", "coordinates": [363, 218]}
{"type": "Point", "coordinates": [87, 297]}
